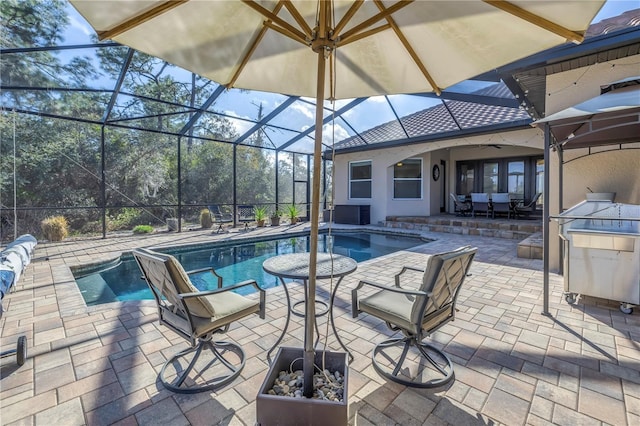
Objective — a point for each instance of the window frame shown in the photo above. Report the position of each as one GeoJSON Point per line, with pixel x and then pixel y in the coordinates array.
{"type": "Point", "coordinates": [419, 179]}
{"type": "Point", "coordinates": [477, 165]}
{"type": "Point", "coordinates": [351, 180]}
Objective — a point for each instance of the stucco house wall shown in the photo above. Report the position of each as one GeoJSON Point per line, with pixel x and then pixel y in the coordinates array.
{"type": "Point", "coordinates": [527, 141]}
{"type": "Point", "coordinates": [604, 169]}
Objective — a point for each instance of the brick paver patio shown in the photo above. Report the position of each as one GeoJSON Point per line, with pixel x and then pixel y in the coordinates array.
{"type": "Point", "coordinates": [513, 365]}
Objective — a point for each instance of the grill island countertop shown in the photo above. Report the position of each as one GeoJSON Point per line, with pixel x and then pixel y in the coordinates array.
{"type": "Point", "coordinates": [602, 251]}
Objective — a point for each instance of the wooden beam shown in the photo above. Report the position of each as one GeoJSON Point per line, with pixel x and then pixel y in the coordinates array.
{"type": "Point", "coordinates": [537, 20]}
{"type": "Point", "coordinates": [140, 19]}
{"type": "Point", "coordinates": [409, 48]}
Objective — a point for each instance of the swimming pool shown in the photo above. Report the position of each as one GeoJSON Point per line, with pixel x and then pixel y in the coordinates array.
{"type": "Point", "coordinates": [121, 281]}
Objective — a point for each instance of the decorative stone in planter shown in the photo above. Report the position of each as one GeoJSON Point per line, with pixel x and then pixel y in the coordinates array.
{"type": "Point", "coordinates": [172, 224]}
{"type": "Point", "coordinates": [292, 410]}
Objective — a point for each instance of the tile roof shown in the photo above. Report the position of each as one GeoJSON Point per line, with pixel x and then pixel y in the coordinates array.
{"type": "Point", "coordinates": [630, 18]}
{"type": "Point", "coordinates": [449, 116]}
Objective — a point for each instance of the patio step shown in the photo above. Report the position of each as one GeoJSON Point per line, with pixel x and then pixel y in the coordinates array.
{"type": "Point", "coordinates": [530, 246]}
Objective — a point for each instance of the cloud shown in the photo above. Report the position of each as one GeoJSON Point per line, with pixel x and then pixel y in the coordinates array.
{"type": "Point", "coordinates": [378, 99]}
{"type": "Point", "coordinates": [303, 109]}
{"type": "Point", "coordinates": [84, 28]}
{"type": "Point", "coordinates": [328, 136]}
{"type": "Point", "coordinates": [241, 126]}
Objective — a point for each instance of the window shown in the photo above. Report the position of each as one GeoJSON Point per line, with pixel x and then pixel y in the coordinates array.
{"type": "Point", "coordinates": [490, 178]}
{"type": "Point", "coordinates": [520, 176]}
{"type": "Point", "coordinates": [466, 180]}
{"type": "Point", "coordinates": [407, 179]}
{"type": "Point", "coordinates": [516, 178]}
{"type": "Point", "coordinates": [540, 180]}
{"type": "Point", "coordinates": [360, 179]}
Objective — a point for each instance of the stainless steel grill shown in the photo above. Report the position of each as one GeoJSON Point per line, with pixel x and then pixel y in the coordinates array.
{"type": "Point", "coordinates": [602, 251]}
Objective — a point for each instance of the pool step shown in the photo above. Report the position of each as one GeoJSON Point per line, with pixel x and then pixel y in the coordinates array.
{"type": "Point", "coordinates": [95, 290]}
{"type": "Point", "coordinates": [528, 231]}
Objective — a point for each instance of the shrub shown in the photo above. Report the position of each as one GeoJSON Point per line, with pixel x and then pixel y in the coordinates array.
{"type": "Point", "coordinates": [55, 228]}
{"type": "Point", "coordinates": [143, 229]}
{"type": "Point", "coordinates": [292, 213]}
{"type": "Point", "coordinates": [205, 219]}
{"type": "Point", "coordinates": [125, 219]}
{"type": "Point", "coordinates": [260, 212]}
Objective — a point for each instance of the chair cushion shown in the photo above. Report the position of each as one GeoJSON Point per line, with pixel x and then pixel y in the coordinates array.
{"type": "Point", "coordinates": [229, 307]}
{"type": "Point", "coordinates": [199, 306]}
{"type": "Point", "coordinates": [394, 308]}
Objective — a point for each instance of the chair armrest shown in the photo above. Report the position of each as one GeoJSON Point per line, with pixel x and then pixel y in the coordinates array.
{"type": "Point", "coordinates": [210, 269]}
{"type": "Point", "coordinates": [392, 289]}
{"type": "Point", "coordinates": [252, 283]}
{"type": "Point", "coordinates": [197, 271]}
{"type": "Point", "coordinates": [405, 269]}
{"type": "Point", "coordinates": [221, 290]}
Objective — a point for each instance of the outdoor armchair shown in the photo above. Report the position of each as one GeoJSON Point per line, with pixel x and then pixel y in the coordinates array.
{"type": "Point", "coordinates": [479, 203]}
{"type": "Point", "coordinates": [219, 217]}
{"type": "Point", "coordinates": [417, 309]}
{"type": "Point", "coordinates": [246, 215]}
{"type": "Point", "coordinates": [197, 316]}
{"type": "Point", "coordinates": [461, 207]}
{"type": "Point", "coordinates": [527, 209]}
{"type": "Point", "coordinates": [500, 203]}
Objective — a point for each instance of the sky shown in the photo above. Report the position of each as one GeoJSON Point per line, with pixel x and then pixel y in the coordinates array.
{"type": "Point", "coordinates": [300, 115]}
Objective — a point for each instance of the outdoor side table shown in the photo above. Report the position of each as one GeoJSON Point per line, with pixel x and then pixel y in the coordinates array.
{"type": "Point", "coordinates": [296, 266]}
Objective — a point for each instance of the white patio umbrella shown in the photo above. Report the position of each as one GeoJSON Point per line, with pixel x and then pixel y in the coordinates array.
{"type": "Point", "coordinates": [371, 48]}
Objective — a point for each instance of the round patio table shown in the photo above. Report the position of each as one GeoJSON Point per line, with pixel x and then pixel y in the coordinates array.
{"type": "Point", "coordinates": [296, 266]}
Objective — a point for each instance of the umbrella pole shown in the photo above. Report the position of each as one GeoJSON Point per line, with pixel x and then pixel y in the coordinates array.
{"type": "Point", "coordinates": [310, 311]}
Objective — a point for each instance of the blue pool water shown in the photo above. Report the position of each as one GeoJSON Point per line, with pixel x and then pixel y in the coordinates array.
{"type": "Point", "coordinates": [122, 281]}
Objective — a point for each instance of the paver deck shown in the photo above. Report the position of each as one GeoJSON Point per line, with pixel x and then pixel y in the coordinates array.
{"type": "Point", "coordinates": [513, 365]}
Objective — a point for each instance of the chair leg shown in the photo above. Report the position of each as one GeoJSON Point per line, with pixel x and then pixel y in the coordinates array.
{"type": "Point", "coordinates": [438, 371]}
{"type": "Point", "coordinates": [226, 370]}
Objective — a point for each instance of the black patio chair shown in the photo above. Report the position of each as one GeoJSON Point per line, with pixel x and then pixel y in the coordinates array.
{"type": "Point", "coordinates": [527, 209]}
{"type": "Point", "coordinates": [219, 217]}
{"type": "Point", "coordinates": [246, 215]}
{"type": "Point", "coordinates": [462, 208]}
{"type": "Point", "coordinates": [500, 203]}
{"type": "Point", "coordinates": [480, 203]}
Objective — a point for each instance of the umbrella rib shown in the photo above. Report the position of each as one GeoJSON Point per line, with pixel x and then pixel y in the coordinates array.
{"type": "Point", "coordinates": [285, 32]}
{"type": "Point", "coordinates": [298, 17]}
{"type": "Point", "coordinates": [364, 34]}
{"type": "Point", "coordinates": [275, 19]}
{"type": "Point", "coordinates": [346, 18]}
{"type": "Point", "coordinates": [140, 19]}
{"type": "Point", "coordinates": [409, 48]}
{"type": "Point", "coordinates": [536, 20]}
{"type": "Point", "coordinates": [252, 49]}
{"type": "Point", "coordinates": [374, 19]}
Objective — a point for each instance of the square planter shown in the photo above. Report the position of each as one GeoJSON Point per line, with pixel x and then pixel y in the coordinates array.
{"type": "Point", "coordinates": [172, 224]}
{"type": "Point", "coordinates": [285, 410]}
